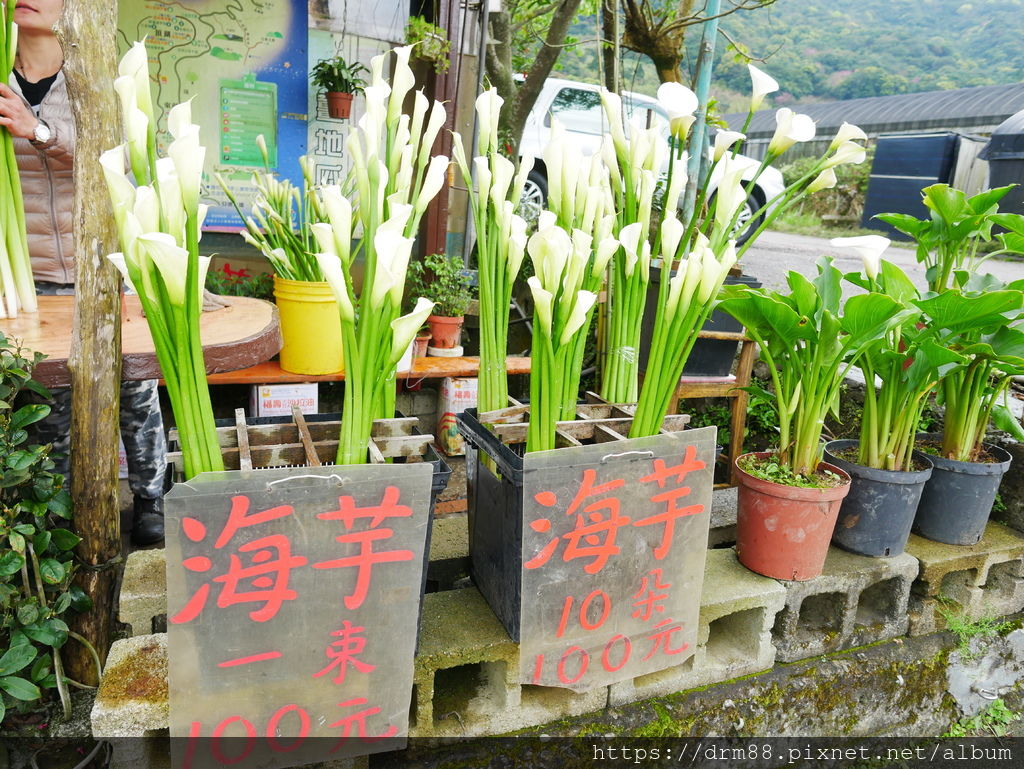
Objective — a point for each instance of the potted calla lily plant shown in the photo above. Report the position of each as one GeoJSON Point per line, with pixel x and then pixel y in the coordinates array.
{"type": "Point", "coordinates": [983, 325]}
{"type": "Point", "coordinates": [789, 499]}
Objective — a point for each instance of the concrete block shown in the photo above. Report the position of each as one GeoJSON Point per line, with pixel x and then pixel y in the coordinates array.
{"type": "Point", "coordinates": [856, 600]}
{"type": "Point", "coordinates": [982, 580]}
{"type": "Point", "coordinates": [737, 612]}
{"type": "Point", "coordinates": [465, 680]}
{"type": "Point", "coordinates": [449, 551]}
{"type": "Point", "coordinates": [143, 590]}
{"type": "Point", "coordinates": [132, 700]}
{"type": "Point", "coordinates": [723, 518]}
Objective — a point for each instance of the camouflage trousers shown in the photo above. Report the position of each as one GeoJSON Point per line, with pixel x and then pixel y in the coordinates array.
{"type": "Point", "coordinates": [142, 427]}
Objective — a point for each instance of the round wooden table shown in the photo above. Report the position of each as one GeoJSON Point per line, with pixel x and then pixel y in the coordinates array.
{"type": "Point", "coordinates": [234, 337]}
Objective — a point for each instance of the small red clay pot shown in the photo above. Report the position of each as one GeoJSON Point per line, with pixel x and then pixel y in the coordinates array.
{"type": "Point", "coordinates": [783, 532]}
{"type": "Point", "coordinates": [445, 331]}
{"type": "Point", "coordinates": [339, 105]}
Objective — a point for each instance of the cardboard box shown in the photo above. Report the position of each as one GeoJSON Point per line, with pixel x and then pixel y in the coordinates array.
{"type": "Point", "coordinates": [457, 395]}
{"type": "Point", "coordinates": [277, 400]}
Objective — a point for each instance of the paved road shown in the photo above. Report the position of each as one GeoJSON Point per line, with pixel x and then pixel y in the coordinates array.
{"type": "Point", "coordinates": [776, 253]}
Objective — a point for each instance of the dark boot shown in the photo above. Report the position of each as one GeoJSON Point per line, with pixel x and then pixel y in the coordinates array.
{"type": "Point", "coordinates": [148, 521]}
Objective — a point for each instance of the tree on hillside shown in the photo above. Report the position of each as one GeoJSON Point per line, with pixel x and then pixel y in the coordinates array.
{"type": "Point", "coordinates": [657, 29]}
{"type": "Point", "coordinates": [525, 36]}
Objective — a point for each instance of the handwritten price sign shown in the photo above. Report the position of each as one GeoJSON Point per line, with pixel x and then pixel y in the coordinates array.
{"type": "Point", "coordinates": [614, 543]}
{"type": "Point", "coordinates": [293, 598]}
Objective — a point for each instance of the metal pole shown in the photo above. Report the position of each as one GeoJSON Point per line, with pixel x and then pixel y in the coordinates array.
{"type": "Point", "coordinates": [698, 136]}
{"type": "Point", "coordinates": [470, 234]}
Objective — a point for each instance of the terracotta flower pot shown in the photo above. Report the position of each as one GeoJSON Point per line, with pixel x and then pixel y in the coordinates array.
{"type": "Point", "coordinates": [419, 349]}
{"type": "Point", "coordinates": [444, 330]}
{"type": "Point", "coordinates": [339, 105]}
{"type": "Point", "coordinates": [784, 531]}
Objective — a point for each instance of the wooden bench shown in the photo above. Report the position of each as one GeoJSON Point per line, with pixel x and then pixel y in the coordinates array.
{"type": "Point", "coordinates": [271, 372]}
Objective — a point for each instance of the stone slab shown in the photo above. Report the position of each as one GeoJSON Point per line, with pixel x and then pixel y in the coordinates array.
{"type": "Point", "coordinates": [723, 518]}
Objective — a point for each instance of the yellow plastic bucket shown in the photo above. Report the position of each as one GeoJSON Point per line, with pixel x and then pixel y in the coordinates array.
{"type": "Point", "coordinates": [310, 327]}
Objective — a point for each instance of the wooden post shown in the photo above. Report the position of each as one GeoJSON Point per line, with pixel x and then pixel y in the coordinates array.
{"type": "Point", "coordinates": [87, 31]}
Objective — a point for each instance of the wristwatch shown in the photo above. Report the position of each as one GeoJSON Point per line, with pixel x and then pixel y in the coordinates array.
{"type": "Point", "coordinates": [41, 134]}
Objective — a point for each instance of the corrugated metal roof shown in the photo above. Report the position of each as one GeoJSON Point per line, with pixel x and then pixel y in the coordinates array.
{"type": "Point", "coordinates": [958, 108]}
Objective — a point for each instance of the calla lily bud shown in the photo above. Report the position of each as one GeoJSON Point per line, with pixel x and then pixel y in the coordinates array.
{"type": "Point", "coordinates": [692, 275]}
{"type": "Point", "coordinates": [824, 181]}
{"type": "Point", "coordinates": [339, 214]}
{"type": "Point", "coordinates": [188, 156]}
{"type": "Point", "coordinates": [483, 178]}
{"type": "Point", "coordinates": [402, 81]}
{"type": "Point", "coordinates": [122, 191]}
{"type": "Point", "coordinates": [516, 249]}
{"type": "Point", "coordinates": [304, 161]}
{"type": "Point", "coordinates": [870, 249]}
{"type": "Point", "coordinates": [848, 152]}
{"type": "Point", "coordinates": [438, 115]}
{"type": "Point", "coordinates": [392, 250]}
{"type": "Point", "coordinates": [404, 328]}
{"type": "Point", "coordinates": [847, 132]}
{"type": "Point", "coordinates": [606, 249]}
{"type": "Point", "coordinates": [676, 182]}
{"type": "Point", "coordinates": [377, 69]}
{"type": "Point", "coordinates": [137, 129]}
{"type": "Point", "coordinates": [585, 300]}
{"type": "Point", "coordinates": [488, 109]}
{"type": "Point", "coordinates": [671, 233]}
{"type": "Point", "coordinates": [730, 194]}
{"type": "Point", "coordinates": [459, 154]}
{"type": "Point", "coordinates": [724, 141]}
{"type": "Point", "coordinates": [542, 303]}
{"type": "Point", "coordinates": [790, 129]}
{"type": "Point", "coordinates": [135, 65]}
{"type": "Point", "coordinates": [612, 104]}
{"type": "Point", "coordinates": [330, 266]}
{"type": "Point", "coordinates": [525, 166]}
{"type": "Point", "coordinates": [761, 84]}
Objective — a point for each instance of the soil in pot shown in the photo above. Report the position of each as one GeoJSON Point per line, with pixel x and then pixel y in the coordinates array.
{"type": "Point", "coordinates": [876, 517]}
{"type": "Point", "coordinates": [784, 531]}
{"type": "Point", "coordinates": [957, 500]}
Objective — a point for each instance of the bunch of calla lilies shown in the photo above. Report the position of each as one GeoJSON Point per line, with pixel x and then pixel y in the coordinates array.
{"type": "Point", "coordinates": [159, 219]}
{"type": "Point", "coordinates": [394, 178]}
{"type": "Point", "coordinates": [17, 290]}
{"type": "Point", "coordinates": [501, 243]}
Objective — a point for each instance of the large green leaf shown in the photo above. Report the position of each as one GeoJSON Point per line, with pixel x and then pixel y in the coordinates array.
{"type": "Point", "coordinates": [931, 362]}
{"type": "Point", "coordinates": [16, 658]}
{"type": "Point", "coordinates": [29, 414]}
{"type": "Point", "coordinates": [829, 285]}
{"type": "Point", "coordinates": [64, 539]}
{"type": "Point", "coordinates": [1004, 419]}
{"type": "Point", "coordinates": [52, 571]}
{"type": "Point", "coordinates": [960, 313]}
{"type": "Point", "coordinates": [1011, 222]}
{"type": "Point", "coordinates": [987, 201]}
{"type": "Point", "coordinates": [772, 320]}
{"type": "Point", "coordinates": [20, 689]}
{"type": "Point", "coordinates": [803, 296]}
{"type": "Point", "coordinates": [52, 632]}
{"type": "Point", "coordinates": [906, 224]}
{"type": "Point", "coordinates": [10, 563]}
{"type": "Point", "coordinates": [869, 316]}
{"type": "Point", "coordinates": [895, 283]}
{"type": "Point", "coordinates": [949, 203]}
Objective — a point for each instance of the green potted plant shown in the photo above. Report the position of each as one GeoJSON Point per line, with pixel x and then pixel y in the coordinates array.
{"type": "Point", "coordinates": [442, 280]}
{"type": "Point", "coordinates": [981, 324]}
{"type": "Point", "coordinates": [430, 43]}
{"type": "Point", "coordinates": [789, 499]}
{"type": "Point", "coordinates": [907, 360]}
{"type": "Point", "coordinates": [341, 81]}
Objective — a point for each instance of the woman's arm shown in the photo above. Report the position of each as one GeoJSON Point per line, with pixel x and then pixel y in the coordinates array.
{"type": "Point", "coordinates": [21, 121]}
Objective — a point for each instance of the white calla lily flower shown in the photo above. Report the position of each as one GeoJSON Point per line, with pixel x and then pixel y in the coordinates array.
{"type": "Point", "coordinates": [437, 174]}
{"type": "Point", "coordinates": [847, 132]}
{"type": "Point", "coordinates": [330, 266]}
{"type": "Point", "coordinates": [179, 121]}
{"type": "Point", "coordinates": [171, 261]}
{"type": "Point", "coordinates": [790, 129]}
{"type": "Point", "coordinates": [543, 301]}
{"type": "Point", "coordinates": [339, 214]}
{"type": "Point", "coordinates": [729, 195]}
{"type": "Point", "coordinates": [585, 300]}
{"type": "Point", "coordinates": [824, 181]}
{"type": "Point", "coordinates": [848, 152]}
{"type": "Point", "coordinates": [680, 103]}
{"type": "Point", "coordinates": [147, 208]}
{"type": "Point", "coordinates": [502, 171]}
{"type": "Point", "coordinates": [118, 260]}
{"type": "Point", "coordinates": [761, 84]}
{"type": "Point", "coordinates": [549, 249]}
{"type": "Point", "coordinates": [612, 104]}
{"type": "Point", "coordinates": [870, 249]}
{"type": "Point", "coordinates": [488, 108]}
{"type": "Point", "coordinates": [135, 65]}
{"type": "Point", "coordinates": [405, 327]}
{"type": "Point", "coordinates": [122, 191]}
{"type": "Point", "coordinates": [402, 81]}
{"type": "Point", "coordinates": [392, 250]}
{"type": "Point", "coordinates": [438, 116]}
{"type": "Point", "coordinates": [324, 234]}
{"type": "Point", "coordinates": [672, 231]}
{"type": "Point", "coordinates": [724, 141]}
{"type": "Point", "coordinates": [629, 238]}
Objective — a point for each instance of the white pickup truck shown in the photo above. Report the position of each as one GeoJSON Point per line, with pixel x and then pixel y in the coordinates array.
{"type": "Point", "coordinates": [577, 106]}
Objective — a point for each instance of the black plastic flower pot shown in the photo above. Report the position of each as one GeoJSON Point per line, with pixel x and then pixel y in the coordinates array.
{"type": "Point", "coordinates": [958, 498]}
{"type": "Point", "coordinates": [876, 516]}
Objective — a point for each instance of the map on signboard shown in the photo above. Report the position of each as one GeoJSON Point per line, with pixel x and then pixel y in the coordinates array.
{"type": "Point", "coordinates": [244, 64]}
